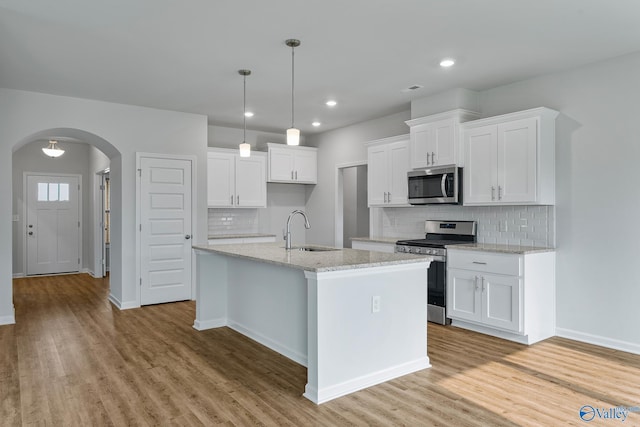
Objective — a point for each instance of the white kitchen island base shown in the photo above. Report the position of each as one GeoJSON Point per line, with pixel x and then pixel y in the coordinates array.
{"type": "Point", "coordinates": [351, 327]}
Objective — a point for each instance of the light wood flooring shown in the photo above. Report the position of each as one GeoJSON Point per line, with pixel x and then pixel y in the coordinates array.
{"type": "Point", "coordinates": [73, 359]}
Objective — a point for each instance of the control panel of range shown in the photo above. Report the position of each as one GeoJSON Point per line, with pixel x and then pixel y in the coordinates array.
{"type": "Point", "coordinates": [420, 250]}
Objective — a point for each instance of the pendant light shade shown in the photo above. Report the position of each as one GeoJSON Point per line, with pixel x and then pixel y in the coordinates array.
{"type": "Point", "coordinates": [52, 150]}
{"type": "Point", "coordinates": [293, 134]}
{"type": "Point", "coordinates": [245, 148]}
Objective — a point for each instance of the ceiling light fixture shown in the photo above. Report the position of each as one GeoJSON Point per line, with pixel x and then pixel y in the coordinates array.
{"type": "Point", "coordinates": [245, 148]}
{"type": "Point", "coordinates": [331, 103]}
{"type": "Point", "coordinates": [52, 150]}
{"type": "Point", "coordinates": [293, 134]}
{"type": "Point", "coordinates": [447, 62]}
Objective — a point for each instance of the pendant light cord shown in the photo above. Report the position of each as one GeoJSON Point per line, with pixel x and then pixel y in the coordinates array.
{"type": "Point", "coordinates": [244, 111]}
{"type": "Point", "coordinates": [292, 82]}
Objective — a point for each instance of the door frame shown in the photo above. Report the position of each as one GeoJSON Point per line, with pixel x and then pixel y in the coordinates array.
{"type": "Point", "coordinates": [25, 216]}
{"type": "Point", "coordinates": [194, 213]}
{"type": "Point", "coordinates": [339, 203]}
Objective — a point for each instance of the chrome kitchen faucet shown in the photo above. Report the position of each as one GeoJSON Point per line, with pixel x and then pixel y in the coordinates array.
{"type": "Point", "coordinates": [287, 235]}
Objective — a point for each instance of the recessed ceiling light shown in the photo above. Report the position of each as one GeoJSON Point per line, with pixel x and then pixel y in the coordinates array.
{"type": "Point", "coordinates": [248, 114]}
{"type": "Point", "coordinates": [331, 103]}
{"type": "Point", "coordinates": [316, 124]}
{"type": "Point", "coordinates": [447, 62]}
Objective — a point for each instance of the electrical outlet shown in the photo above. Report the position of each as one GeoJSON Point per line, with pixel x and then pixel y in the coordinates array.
{"type": "Point", "coordinates": [375, 304]}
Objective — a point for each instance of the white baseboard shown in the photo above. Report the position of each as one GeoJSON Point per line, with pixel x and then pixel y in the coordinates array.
{"type": "Point", "coordinates": [9, 320]}
{"type": "Point", "coordinates": [599, 340]}
{"type": "Point", "coordinates": [203, 325]}
{"type": "Point", "coordinates": [18, 275]}
{"type": "Point", "coordinates": [268, 342]}
{"type": "Point", "coordinates": [123, 305]}
{"type": "Point", "coordinates": [329, 393]}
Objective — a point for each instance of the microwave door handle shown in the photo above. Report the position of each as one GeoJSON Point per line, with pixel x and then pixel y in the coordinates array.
{"type": "Point", "coordinates": [443, 185]}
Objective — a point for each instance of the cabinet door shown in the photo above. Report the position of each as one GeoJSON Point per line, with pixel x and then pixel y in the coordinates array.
{"type": "Point", "coordinates": [220, 179]}
{"type": "Point", "coordinates": [306, 167]}
{"type": "Point", "coordinates": [420, 145]}
{"type": "Point", "coordinates": [501, 301]}
{"type": "Point", "coordinates": [399, 166]}
{"type": "Point", "coordinates": [251, 184]}
{"type": "Point", "coordinates": [463, 295]}
{"type": "Point", "coordinates": [443, 146]}
{"type": "Point", "coordinates": [280, 165]}
{"type": "Point", "coordinates": [517, 166]}
{"type": "Point", "coordinates": [377, 175]}
{"type": "Point", "coordinates": [480, 173]}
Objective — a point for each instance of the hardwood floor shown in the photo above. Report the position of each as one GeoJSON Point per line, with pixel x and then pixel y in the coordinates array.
{"type": "Point", "coordinates": [73, 359]}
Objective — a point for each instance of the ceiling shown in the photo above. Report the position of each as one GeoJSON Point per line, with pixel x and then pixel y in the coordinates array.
{"type": "Point", "coordinates": [185, 55]}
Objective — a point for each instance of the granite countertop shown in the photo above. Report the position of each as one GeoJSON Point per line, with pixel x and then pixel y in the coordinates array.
{"type": "Point", "coordinates": [335, 260]}
{"type": "Point", "coordinates": [505, 249]}
{"type": "Point", "coordinates": [377, 239]}
{"type": "Point", "coordinates": [238, 236]}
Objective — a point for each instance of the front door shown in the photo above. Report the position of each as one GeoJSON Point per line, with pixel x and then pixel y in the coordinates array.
{"type": "Point", "coordinates": [53, 225]}
{"type": "Point", "coordinates": [165, 227]}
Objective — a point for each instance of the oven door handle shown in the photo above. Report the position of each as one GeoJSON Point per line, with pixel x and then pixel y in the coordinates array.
{"type": "Point", "coordinates": [443, 185]}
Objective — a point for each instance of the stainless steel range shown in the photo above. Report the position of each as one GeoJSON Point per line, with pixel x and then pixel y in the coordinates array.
{"type": "Point", "coordinates": [439, 234]}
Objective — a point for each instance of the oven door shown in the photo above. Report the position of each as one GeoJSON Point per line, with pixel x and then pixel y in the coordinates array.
{"type": "Point", "coordinates": [434, 186]}
{"type": "Point", "coordinates": [437, 284]}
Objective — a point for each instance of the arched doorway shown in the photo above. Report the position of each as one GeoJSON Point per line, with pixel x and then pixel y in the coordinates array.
{"type": "Point", "coordinates": [99, 154]}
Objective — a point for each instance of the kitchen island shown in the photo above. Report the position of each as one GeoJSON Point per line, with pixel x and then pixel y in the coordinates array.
{"type": "Point", "coordinates": [353, 318]}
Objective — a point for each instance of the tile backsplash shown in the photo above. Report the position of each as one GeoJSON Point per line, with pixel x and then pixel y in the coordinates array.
{"type": "Point", "coordinates": [521, 225]}
{"type": "Point", "coordinates": [233, 221]}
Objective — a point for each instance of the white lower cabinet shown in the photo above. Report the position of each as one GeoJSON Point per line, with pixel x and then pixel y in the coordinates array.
{"type": "Point", "coordinates": [511, 296]}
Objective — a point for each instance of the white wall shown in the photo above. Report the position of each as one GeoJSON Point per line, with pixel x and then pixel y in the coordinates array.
{"type": "Point", "coordinates": [598, 202]}
{"type": "Point", "coordinates": [596, 145]}
{"type": "Point", "coordinates": [117, 130]}
{"type": "Point", "coordinates": [30, 158]}
{"type": "Point", "coordinates": [341, 146]}
{"type": "Point", "coordinates": [98, 162]}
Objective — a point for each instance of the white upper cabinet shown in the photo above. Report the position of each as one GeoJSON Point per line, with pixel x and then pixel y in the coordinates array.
{"type": "Point", "coordinates": [435, 140]}
{"type": "Point", "coordinates": [388, 164]}
{"type": "Point", "coordinates": [510, 159]}
{"type": "Point", "coordinates": [234, 181]}
{"type": "Point", "coordinates": [298, 165]}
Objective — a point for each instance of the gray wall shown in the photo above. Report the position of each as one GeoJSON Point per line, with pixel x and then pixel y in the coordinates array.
{"type": "Point", "coordinates": [355, 211]}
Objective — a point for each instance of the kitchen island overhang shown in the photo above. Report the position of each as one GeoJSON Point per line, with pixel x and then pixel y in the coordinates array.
{"type": "Point", "coordinates": [353, 318]}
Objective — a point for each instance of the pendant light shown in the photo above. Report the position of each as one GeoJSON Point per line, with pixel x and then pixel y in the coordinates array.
{"type": "Point", "coordinates": [52, 150]}
{"type": "Point", "coordinates": [245, 148]}
{"type": "Point", "coordinates": [293, 134]}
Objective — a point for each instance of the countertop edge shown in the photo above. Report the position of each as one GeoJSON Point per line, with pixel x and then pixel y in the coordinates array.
{"type": "Point", "coordinates": [499, 248]}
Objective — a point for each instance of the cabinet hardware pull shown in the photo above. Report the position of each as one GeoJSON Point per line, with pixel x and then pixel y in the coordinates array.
{"type": "Point", "coordinates": [499, 192]}
{"type": "Point", "coordinates": [291, 175]}
{"type": "Point", "coordinates": [493, 193]}
{"type": "Point", "coordinates": [427, 159]}
{"type": "Point", "coordinates": [478, 262]}
{"type": "Point", "coordinates": [482, 278]}
{"type": "Point", "coordinates": [389, 197]}
{"type": "Point", "coordinates": [385, 197]}
{"type": "Point", "coordinates": [296, 175]}
{"type": "Point", "coordinates": [433, 158]}
{"type": "Point", "coordinates": [476, 282]}
{"type": "Point", "coordinates": [238, 200]}
{"type": "Point", "coordinates": [232, 199]}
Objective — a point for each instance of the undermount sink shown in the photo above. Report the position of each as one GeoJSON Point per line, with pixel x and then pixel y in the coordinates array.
{"type": "Point", "coordinates": [313, 249]}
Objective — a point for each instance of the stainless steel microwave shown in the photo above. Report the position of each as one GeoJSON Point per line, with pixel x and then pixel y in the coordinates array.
{"type": "Point", "coordinates": [440, 185]}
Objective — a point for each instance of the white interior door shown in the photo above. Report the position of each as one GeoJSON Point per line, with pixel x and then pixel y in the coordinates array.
{"type": "Point", "coordinates": [165, 220]}
{"type": "Point", "coordinates": [53, 225]}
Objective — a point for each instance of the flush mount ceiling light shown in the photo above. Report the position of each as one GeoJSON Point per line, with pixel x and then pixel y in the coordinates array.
{"type": "Point", "coordinates": [293, 134]}
{"type": "Point", "coordinates": [331, 103]}
{"type": "Point", "coordinates": [52, 150]}
{"type": "Point", "coordinates": [245, 149]}
{"type": "Point", "coordinates": [447, 62]}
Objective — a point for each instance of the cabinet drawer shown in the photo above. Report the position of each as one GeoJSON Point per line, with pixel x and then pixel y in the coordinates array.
{"type": "Point", "coordinates": [485, 262]}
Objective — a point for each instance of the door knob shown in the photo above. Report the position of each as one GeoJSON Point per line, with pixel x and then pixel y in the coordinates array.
{"type": "Point", "coordinates": [31, 233]}
{"type": "Point", "coordinates": [187, 236]}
